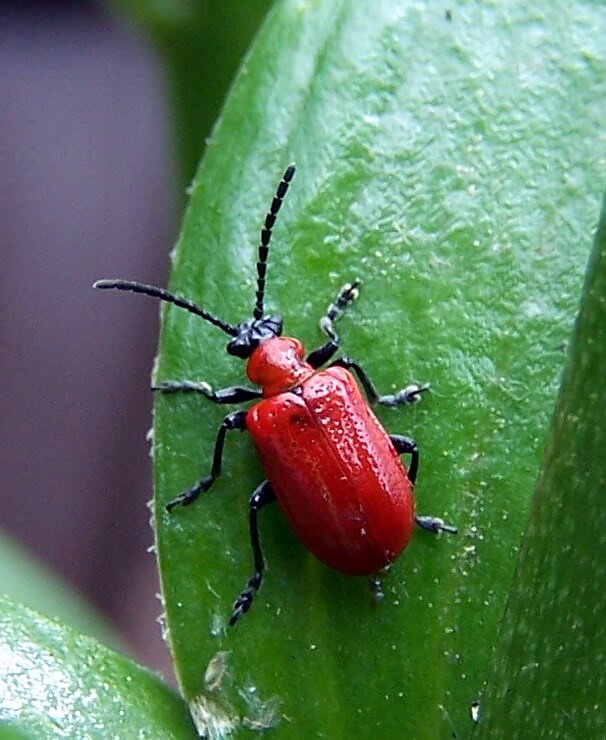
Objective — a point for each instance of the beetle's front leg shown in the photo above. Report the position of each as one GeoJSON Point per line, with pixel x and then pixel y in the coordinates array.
{"type": "Point", "coordinates": [347, 295]}
{"type": "Point", "coordinates": [262, 496]}
{"type": "Point", "coordinates": [406, 396]}
{"type": "Point", "coordinates": [235, 420]}
{"type": "Point", "coordinates": [237, 394]}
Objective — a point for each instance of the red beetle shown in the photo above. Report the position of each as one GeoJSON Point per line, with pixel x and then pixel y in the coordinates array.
{"type": "Point", "coordinates": [329, 462]}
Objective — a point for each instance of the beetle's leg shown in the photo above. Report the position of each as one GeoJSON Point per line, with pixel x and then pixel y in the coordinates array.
{"type": "Point", "coordinates": [235, 420]}
{"type": "Point", "coordinates": [434, 524]}
{"type": "Point", "coordinates": [347, 295]}
{"type": "Point", "coordinates": [376, 588]}
{"type": "Point", "coordinates": [262, 496]}
{"type": "Point", "coordinates": [407, 396]}
{"type": "Point", "coordinates": [320, 356]}
{"type": "Point", "coordinates": [237, 394]}
{"type": "Point", "coordinates": [404, 445]}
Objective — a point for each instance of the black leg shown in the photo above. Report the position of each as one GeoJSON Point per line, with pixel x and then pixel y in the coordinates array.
{"type": "Point", "coordinates": [405, 445]}
{"type": "Point", "coordinates": [262, 496]}
{"type": "Point", "coordinates": [235, 420]}
{"type": "Point", "coordinates": [322, 355]}
{"type": "Point", "coordinates": [237, 394]}
{"type": "Point", "coordinates": [347, 295]}
{"type": "Point", "coordinates": [407, 396]}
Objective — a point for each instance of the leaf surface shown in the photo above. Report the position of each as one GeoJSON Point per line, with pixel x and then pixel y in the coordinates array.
{"type": "Point", "coordinates": [548, 671]}
{"type": "Point", "coordinates": [450, 161]}
{"type": "Point", "coordinates": [55, 682]}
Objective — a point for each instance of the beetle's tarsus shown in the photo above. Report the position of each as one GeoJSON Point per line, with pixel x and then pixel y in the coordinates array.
{"type": "Point", "coordinates": [189, 496]}
{"type": "Point", "coordinates": [435, 524]}
{"type": "Point", "coordinates": [184, 386]}
{"type": "Point", "coordinates": [406, 396]}
{"type": "Point", "coordinates": [244, 601]}
{"type": "Point", "coordinates": [376, 588]}
{"type": "Point", "coordinates": [347, 295]}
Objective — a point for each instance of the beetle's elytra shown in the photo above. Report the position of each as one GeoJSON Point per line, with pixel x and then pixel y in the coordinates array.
{"type": "Point", "coordinates": [330, 464]}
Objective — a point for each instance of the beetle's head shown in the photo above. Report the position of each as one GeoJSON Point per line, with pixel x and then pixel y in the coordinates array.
{"type": "Point", "coordinates": [247, 335]}
{"type": "Point", "coordinates": [251, 333]}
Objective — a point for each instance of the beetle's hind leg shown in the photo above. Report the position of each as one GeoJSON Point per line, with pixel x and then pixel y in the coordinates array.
{"type": "Point", "coordinates": [405, 445]}
{"type": "Point", "coordinates": [262, 496]}
{"type": "Point", "coordinates": [347, 295]}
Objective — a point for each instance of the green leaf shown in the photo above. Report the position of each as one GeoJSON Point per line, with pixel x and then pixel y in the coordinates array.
{"type": "Point", "coordinates": [548, 670]}
{"type": "Point", "coordinates": [55, 682]}
{"type": "Point", "coordinates": [201, 45]}
{"type": "Point", "coordinates": [451, 162]}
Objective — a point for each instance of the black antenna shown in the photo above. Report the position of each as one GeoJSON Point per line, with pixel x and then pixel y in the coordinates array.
{"type": "Point", "coordinates": [270, 220]}
{"type": "Point", "coordinates": [164, 295]}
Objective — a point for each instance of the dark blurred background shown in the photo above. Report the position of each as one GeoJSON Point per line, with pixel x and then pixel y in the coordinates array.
{"type": "Point", "coordinates": [104, 110]}
{"type": "Point", "coordinates": [87, 190]}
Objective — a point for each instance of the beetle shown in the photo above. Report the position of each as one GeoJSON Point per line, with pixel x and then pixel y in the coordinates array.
{"type": "Point", "coordinates": [334, 470]}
